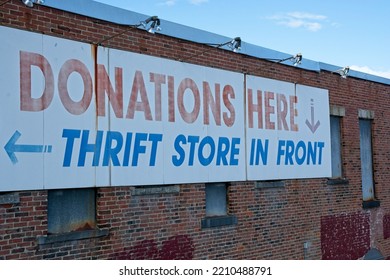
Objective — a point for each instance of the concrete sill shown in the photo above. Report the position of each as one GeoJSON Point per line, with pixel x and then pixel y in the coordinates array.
{"type": "Point", "coordinates": [337, 181]}
{"type": "Point", "coordinates": [72, 236]}
{"type": "Point", "coordinates": [155, 190]}
{"type": "Point", "coordinates": [218, 221]}
{"type": "Point", "coordinates": [371, 204]}
{"type": "Point", "coordinates": [270, 184]}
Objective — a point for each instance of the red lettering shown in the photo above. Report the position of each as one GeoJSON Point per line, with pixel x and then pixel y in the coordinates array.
{"type": "Point", "coordinates": [269, 109]}
{"type": "Point", "coordinates": [214, 104]}
{"type": "Point", "coordinates": [293, 113]}
{"type": "Point", "coordinates": [229, 120]}
{"type": "Point", "coordinates": [27, 102]}
{"type": "Point", "coordinates": [171, 98]}
{"type": "Point", "coordinates": [281, 111]}
{"type": "Point", "coordinates": [74, 107]}
{"type": "Point", "coordinates": [104, 86]}
{"type": "Point", "coordinates": [158, 80]}
{"type": "Point", "coordinates": [285, 106]}
{"type": "Point", "coordinates": [188, 117]}
{"type": "Point", "coordinates": [186, 98]}
{"type": "Point", "coordinates": [143, 105]}
{"type": "Point", "coordinates": [255, 108]}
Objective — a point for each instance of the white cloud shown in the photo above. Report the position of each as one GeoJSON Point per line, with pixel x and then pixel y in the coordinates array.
{"type": "Point", "coordinates": [306, 16]}
{"type": "Point", "coordinates": [368, 70]}
{"type": "Point", "coordinates": [173, 2]}
{"type": "Point", "coordinates": [311, 22]}
{"type": "Point", "coordinates": [168, 3]}
{"type": "Point", "coordinates": [198, 2]}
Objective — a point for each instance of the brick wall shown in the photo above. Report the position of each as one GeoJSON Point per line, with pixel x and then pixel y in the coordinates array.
{"type": "Point", "coordinates": [295, 220]}
{"type": "Point", "coordinates": [22, 218]}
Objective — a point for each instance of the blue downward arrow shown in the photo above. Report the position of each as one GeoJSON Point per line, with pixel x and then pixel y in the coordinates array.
{"type": "Point", "coordinates": [11, 148]}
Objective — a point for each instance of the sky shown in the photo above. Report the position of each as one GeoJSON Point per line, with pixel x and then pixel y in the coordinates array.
{"type": "Point", "coordinates": [351, 33]}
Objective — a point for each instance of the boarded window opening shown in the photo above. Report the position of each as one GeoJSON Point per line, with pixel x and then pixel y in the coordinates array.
{"type": "Point", "coordinates": [217, 207]}
{"type": "Point", "coordinates": [335, 133]}
{"type": "Point", "coordinates": [71, 210]}
{"type": "Point", "coordinates": [216, 199]}
{"type": "Point", "coordinates": [366, 159]}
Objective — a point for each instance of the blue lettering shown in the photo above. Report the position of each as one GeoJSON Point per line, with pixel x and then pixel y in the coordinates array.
{"type": "Point", "coordinates": [114, 145]}
{"type": "Point", "coordinates": [263, 151]}
{"type": "Point", "coordinates": [300, 154]}
{"type": "Point", "coordinates": [192, 140]}
{"type": "Point", "coordinates": [235, 151]}
{"type": "Point", "coordinates": [155, 139]}
{"type": "Point", "coordinates": [138, 148]}
{"type": "Point", "coordinates": [311, 152]}
{"type": "Point", "coordinates": [289, 153]}
{"type": "Point", "coordinates": [281, 145]}
{"type": "Point", "coordinates": [126, 155]}
{"type": "Point", "coordinates": [70, 135]}
{"type": "Point", "coordinates": [90, 148]}
{"type": "Point", "coordinates": [260, 151]}
{"type": "Point", "coordinates": [223, 150]}
{"type": "Point", "coordinates": [207, 152]}
{"type": "Point", "coordinates": [205, 161]}
{"type": "Point", "coordinates": [252, 156]}
{"type": "Point", "coordinates": [178, 160]}
{"type": "Point", "coordinates": [112, 152]}
{"type": "Point", "coordinates": [321, 145]}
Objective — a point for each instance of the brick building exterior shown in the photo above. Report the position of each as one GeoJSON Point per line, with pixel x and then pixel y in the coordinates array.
{"type": "Point", "coordinates": [321, 218]}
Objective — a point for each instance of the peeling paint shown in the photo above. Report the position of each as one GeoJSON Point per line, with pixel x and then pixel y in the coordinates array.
{"type": "Point", "coordinates": [345, 237]}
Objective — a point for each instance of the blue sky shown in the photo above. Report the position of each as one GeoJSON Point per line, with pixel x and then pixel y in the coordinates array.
{"type": "Point", "coordinates": [351, 33]}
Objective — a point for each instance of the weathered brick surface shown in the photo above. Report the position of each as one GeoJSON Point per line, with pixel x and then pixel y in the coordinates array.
{"type": "Point", "coordinates": [345, 236]}
{"type": "Point", "coordinates": [273, 223]}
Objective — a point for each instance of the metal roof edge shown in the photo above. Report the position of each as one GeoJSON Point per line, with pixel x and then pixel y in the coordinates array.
{"type": "Point", "coordinates": [96, 10]}
{"type": "Point", "coordinates": [117, 15]}
{"type": "Point", "coordinates": [355, 74]}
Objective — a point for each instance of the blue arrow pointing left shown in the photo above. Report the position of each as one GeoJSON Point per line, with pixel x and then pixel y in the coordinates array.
{"type": "Point", "coordinates": [11, 148]}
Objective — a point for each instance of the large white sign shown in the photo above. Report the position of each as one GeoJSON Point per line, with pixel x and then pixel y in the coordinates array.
{"type": "Point", "coordinates": [74, 115]}
{"type": "Point", "coordinates": [288, 130]}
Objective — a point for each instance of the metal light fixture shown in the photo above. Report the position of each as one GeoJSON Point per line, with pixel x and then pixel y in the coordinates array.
{"type": "Point", "coordinates": [343, 72]}
{"type": "Point", "coordinates": [151, 24]}
{"type": "Point", "coordinates": [30, 3]}
{"type": "Point", "coordinates": [234, 45]}
{"type": "Point", "coordinates": [296, 59]}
